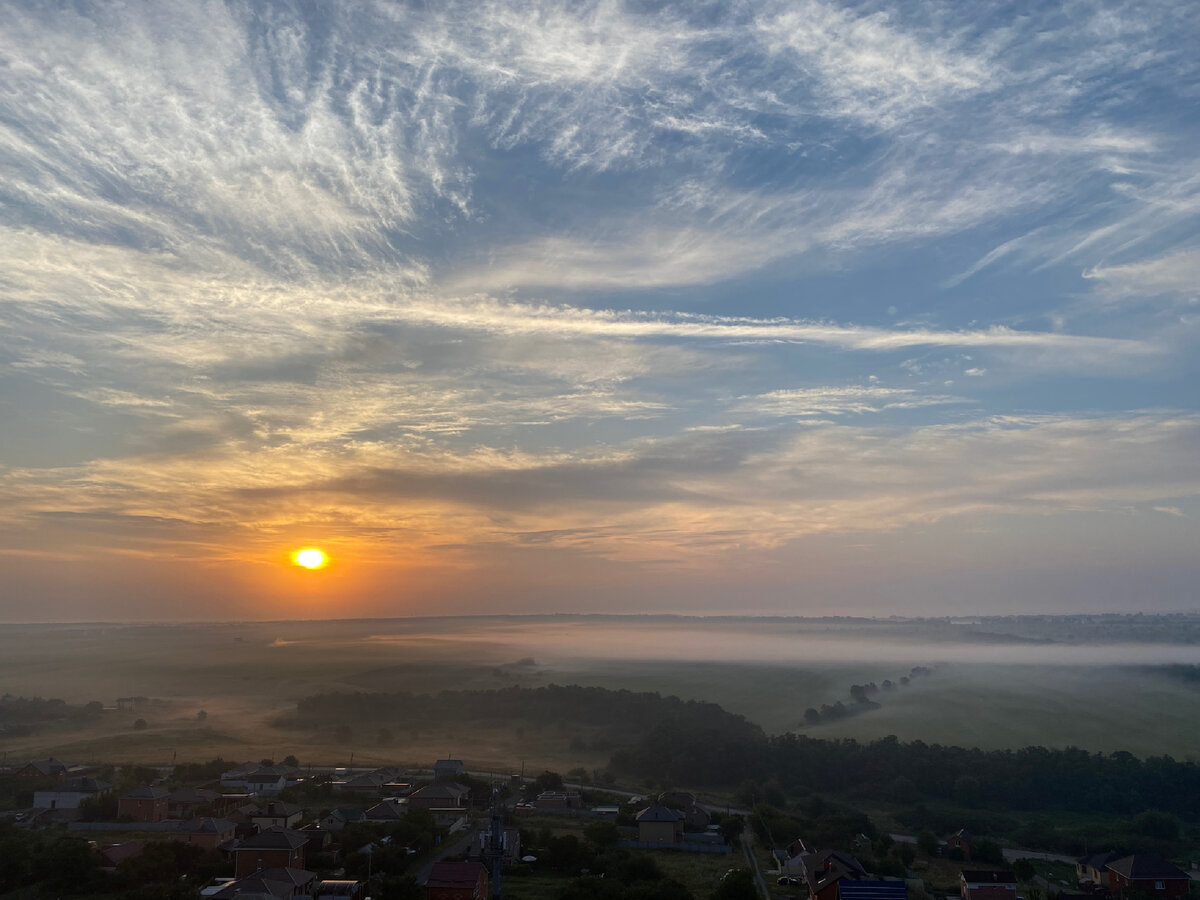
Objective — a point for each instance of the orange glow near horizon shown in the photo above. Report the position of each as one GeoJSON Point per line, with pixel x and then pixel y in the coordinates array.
{"type": "Point", "coordinates": [310, 558]}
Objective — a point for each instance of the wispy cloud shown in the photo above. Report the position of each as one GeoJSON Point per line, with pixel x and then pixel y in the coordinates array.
{"type": "Point", "coordinates": [839, 401]}
{"type": "Point", "coordinates": [639, 283]}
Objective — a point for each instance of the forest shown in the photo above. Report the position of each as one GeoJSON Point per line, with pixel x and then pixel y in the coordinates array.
{"type": "Point", "coordinates": [672, 742]}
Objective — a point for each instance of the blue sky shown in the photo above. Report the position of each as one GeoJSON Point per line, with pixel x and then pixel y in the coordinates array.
{"type": "Point", "coordinates": [765, 307]}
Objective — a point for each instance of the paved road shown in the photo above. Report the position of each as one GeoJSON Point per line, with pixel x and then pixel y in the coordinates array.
{"type": "Point", "coordinates": [1011, 854]}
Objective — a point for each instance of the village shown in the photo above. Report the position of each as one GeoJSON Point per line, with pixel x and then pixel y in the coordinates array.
{"type": "Point", "coordinates": [277, 830]}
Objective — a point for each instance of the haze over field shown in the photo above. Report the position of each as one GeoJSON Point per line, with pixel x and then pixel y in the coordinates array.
{"type": "Point", "coordinates": [989, 685]}
{"type": "Point", "coordinates": [808, 307]}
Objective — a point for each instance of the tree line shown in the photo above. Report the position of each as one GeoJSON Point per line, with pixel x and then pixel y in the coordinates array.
{"type": "Point", "coordinates": [693, 743]}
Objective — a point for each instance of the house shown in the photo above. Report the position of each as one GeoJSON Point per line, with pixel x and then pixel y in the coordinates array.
{"type": "Point", "coordinates": [114, 854]}
{"type": "Point", "coordinates": [1146, 873]}
{"type": "Point", "coordinates": [987, 884]}
{"type": "Point", "coordinates": [823, 870]}
{"type": "Point", "coordinates": [341, 817]}
{"type": "Point", "coordinates": [260, 779]}
{"type": "Point", "coordinates": [872, 890]}
{"type": "Point", "coordinates": [448, 768]}
{"type": "Point", "coordinates": [370, 783]}
{"type": "Point", "coordinates": [236, 776]}
{"type": "Point", "coordinates": [960, 841]}
{"type": "Point", "coordinates": [144, 804]}
{"type": "Point", "coordinates": [283, 882]}
{"type": "Point", "coordinates": [696, 818]}
{"type": "Point", "coordinates": [71, 793]}
{"type": "Point", "coordinates": [339, 890]}
{"type": "Point", "coordinates": [446, 795]}
{"type": "Point", "coordinates": [207, 833]}
{"type": "Point", "coordinates": [558, 800]}
{"type": "Point", "coordinates": [457, 881]}
{"type": "Point", "coordinates": [278, 813]}
{"type": "Point", "coordinates": [265, 781]}
{"type": "Point", "coordinates": [1092, 871]}
{"type": "Point", "coordinates": [660, 825]}
{"type": "Point", "coordinates": [389, 810]}
{"type": "Point", "coordinates": [187, 803]}
{"type": "Point", "coordinates": [275, 848]}
{"type": "Point", "coordinates": [48, 768]}
{"type": "Point", "coordinates": [791, 858]}
{"type": "Point", "coordinates": [389, 780]}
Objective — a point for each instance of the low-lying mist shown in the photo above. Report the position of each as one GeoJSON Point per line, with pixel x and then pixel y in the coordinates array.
{"type": "Point", "coordinates": [991, 682]}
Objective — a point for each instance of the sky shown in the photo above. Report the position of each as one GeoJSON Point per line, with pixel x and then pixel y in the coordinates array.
{"type": "Point", "coordinates": [518, 307]}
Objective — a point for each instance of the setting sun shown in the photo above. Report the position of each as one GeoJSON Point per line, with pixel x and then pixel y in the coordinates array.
{"type": "Point", "coordinates": [310, 558]}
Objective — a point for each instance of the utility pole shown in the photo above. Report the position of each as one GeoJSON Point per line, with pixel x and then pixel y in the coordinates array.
{"type": "Point", "coordinates": [493, 853]}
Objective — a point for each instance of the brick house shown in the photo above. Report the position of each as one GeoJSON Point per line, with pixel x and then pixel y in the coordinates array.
{"type": "Point", "coordinates": [1146, 873]}
{"type": "Point", "coordinates": [824, 869]}
{"type": "Point", "coordinates": [960, 841]}
{"type": "Point", "coordinates": [457, 881]}
{"type": "Point", "coordinates": [144, 804]}
{"type": "Point", "coordinates": [275, 848]}
{"type": "Point", "coordinates": [207, 833]}
{"type": "Point", "coordinates": [47, 768]}
{"type": "Point", "coordinates": [186, 803]}
{"type": "Point", "coordinates": [987, 884]}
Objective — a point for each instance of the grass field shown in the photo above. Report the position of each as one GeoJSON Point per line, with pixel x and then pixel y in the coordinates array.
{"type": "Point", "coordinates": [245, 674]}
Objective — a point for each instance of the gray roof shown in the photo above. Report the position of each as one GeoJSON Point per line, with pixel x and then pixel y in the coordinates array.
{"type": "Point", "coordinates": [278, 808]}
{"type": "Point", "coordinates": [660, 814]}
{"type": "Point", "coordinates": [872, 890]}
{"type": "Point", "coordinates": [385, 811]}
{"type": "Point", "coordinates": [1148, 867]}
{"type": "Point", "coordinates": [206, 825]}
{"type": "Point", "coordinates": [145, 793]}
{"type": "Point", "coordinates": [50, 766]}
{"type": "Point", "coordinates": [83, 785]}
{"type": "Point", "coordinates": [274, 838]}
{"type": "Point", "coordinates": [988, 876]}
{"type": "Point", "coordinates": [194, 795]}
{"type": "Point", "coordinates": [279, 882]}
{"type": "Point", "coordinates": [443, 789]}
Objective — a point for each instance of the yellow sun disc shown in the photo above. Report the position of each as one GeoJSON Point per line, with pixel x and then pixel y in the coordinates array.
{"type": "Point", "coordinates": [310, 558]}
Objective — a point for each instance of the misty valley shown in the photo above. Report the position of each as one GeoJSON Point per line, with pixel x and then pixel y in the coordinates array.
{"type": "Point", "coordinates": [1053, 736]}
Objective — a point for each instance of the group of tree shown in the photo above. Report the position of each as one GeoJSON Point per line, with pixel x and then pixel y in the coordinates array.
{"type": "Point", "coordinates": [594, 867]}
{"type": "Point", "coordinates": [668, 741]}
{"type": "Point", "coordinates": [21, 716]}
{"type": "Point", "coordinates": [860, 697]}
{"type": "Point", "coordinates": [50, 863]}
